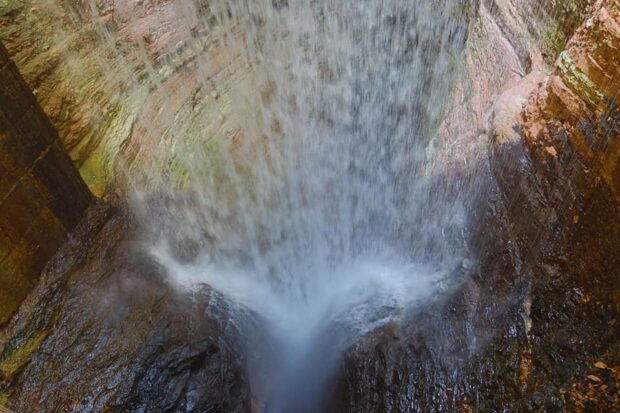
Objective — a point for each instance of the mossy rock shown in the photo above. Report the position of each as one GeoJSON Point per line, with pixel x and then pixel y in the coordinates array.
{"type": "Point", "coordinates": [17, 357]}
{"type": "Point", "coordinates": [559, 25]}
{"type": "Point", "coordinates": [10, 6]}
{"type": "Point", "coordinates": [553, 41]}
{"type": "Point", "coordinates": [569, 14]}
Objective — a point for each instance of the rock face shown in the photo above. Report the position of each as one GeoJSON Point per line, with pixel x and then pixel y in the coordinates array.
{"type": "Point", "coordinates": [99, 73]}
{"type": "Point", "coordinates": [42, 197]}
{"type": "Point", "coordinates": [508, 41]}
{"type": "Point", "coordinates": [579, 100]}
{"type": "Point", "coordinates": [536, 327]}
{"type": "Point", "coordinates": [104, 332]}
{"type": "Point", "coordinates": [523, 333]}
{"type": "Point", "coordinates": [568, 128]}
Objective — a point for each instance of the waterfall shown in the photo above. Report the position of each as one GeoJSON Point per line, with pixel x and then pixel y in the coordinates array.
{"type": "Point", "coordinates": [311, 199]}
{"type": "Point", "coordinates": [321, 214]}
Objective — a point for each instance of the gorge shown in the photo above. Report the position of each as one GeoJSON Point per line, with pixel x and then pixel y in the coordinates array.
{"type": "Point", "coordinates": [309, 206]}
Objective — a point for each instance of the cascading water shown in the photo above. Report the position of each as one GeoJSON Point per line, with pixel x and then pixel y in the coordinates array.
{"type": "Point", "coordinates": [314, 212]}
{"type": "Point", "coordinates": [321, 217]}
{"type": "Point", "coordinates": [322, 214]}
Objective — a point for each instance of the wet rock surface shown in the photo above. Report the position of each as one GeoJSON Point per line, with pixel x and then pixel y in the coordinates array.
{"type": "Point", "coordinates": [535, 327]}
{"type": "Point", "coordinates": [531, 330]}
{"type": "Point", "coordinates": [42, 197]}
{"type": "Point", "coordinates": [103, 332]}
{"type": "Point", "coordinates": [528, 330]}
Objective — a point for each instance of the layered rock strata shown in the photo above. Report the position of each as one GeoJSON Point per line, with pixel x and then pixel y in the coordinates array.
{"type": "Point", "coordinates": [102, 71]}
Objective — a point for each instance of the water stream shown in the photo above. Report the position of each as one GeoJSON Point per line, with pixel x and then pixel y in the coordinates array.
{"type": "Point", "coordinates": [331, 225]}
{"type": "Point", "coordinates": [322, 213]}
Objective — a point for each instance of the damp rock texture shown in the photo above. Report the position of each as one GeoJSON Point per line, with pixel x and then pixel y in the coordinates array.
{"type": "Point", "coordinates": [534, 324]}
{"type": "Point", "coordinates": [536, 327]}
{"type": "Point", "coordinates": [42, 197]}
{"type": "Point", "coordinates": [103, 332]}
{"type": "Point", "coordinates": [101, 71]}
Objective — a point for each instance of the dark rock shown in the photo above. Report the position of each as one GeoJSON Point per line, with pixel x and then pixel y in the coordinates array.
{"type": "Point", "coordinates": [42, 196]}
{"type": "Point", "coordinates": [114, 336]}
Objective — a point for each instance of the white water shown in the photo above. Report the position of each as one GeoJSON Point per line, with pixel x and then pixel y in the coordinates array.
{"type": "Point", "coordinates": [333, 226]}
{"type": "Point", "coordinates": [314, 318]}
{"type": "Point", "coordinates": [323, 216]}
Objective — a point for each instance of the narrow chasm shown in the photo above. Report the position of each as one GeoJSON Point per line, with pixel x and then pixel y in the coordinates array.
{"type": "Point", "coordinates": [309, 206]}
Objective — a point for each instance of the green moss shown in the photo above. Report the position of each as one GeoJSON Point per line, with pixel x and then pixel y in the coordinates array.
{"type": "Point", "coordinates": [559, 25]}
{"type": "Point", "coordinates": [569, 14]}
{"type": "Point", "coordinates": [95, 174]}
{"type": "Point", "coordinates": [18, 356]}
{"type": "Point", "coordinates": [578, 81]}
{"type": "Point", "coordinates": [8, 6]}
{"type": "Point", "coordinates": [4, 398]}
{"type": "Point", "coordinates": [553, 41]}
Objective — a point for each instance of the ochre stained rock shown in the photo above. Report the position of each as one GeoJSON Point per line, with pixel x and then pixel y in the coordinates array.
{"type": "Point", "coordinates": [580, 98]}
{"type": "Point", "coordinates": [42, 197]}
{"type": "Point", "coordinates": [558, 154]}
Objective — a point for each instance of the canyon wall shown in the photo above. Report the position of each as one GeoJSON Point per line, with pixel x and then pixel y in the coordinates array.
{"type": "Point", "coordinates": [578, 104]}
{"type": "Point", "coordinates": [534, 329]}
{"type": "Point", "coordinates": [119, 79]}
{"type": "Point", "coordinates": [564, 129]}
{"type": "Point", "coordinates": [536, 326]}
{"type": "Point", "coordinates": [42, 197]}
{"type": "Point", "coordinates": [114, 76]}
{"type": "Point", "coordinates": [508, 40]}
